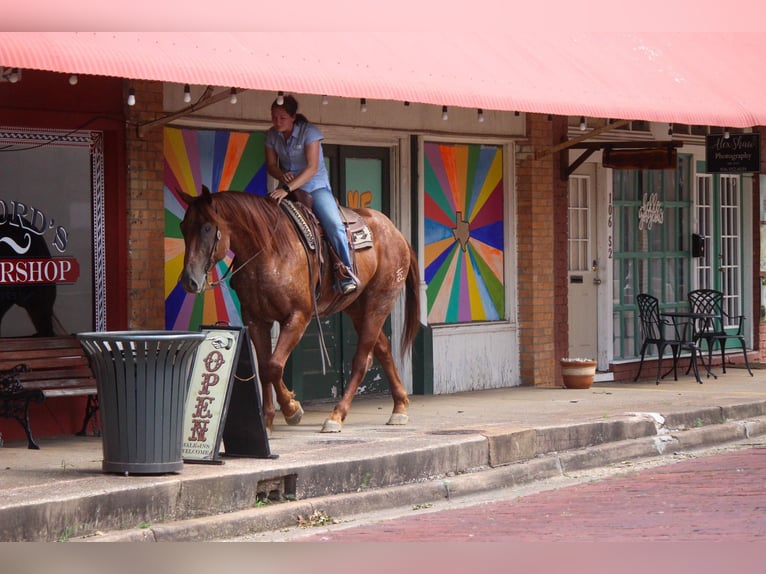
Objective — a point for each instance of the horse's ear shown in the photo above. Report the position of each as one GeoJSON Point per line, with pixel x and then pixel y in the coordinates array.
{"type": "Point", "coordinates": [206, 194]}
{"type": "Point", "coordinates": [185, 198]}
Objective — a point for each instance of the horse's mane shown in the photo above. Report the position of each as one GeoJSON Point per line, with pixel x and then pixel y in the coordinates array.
{"type": "Point", "coordinates": [260, 216]}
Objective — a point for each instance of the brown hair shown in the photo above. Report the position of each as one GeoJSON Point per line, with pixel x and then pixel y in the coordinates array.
{"type": "Point", "coordinates": [290, 105]}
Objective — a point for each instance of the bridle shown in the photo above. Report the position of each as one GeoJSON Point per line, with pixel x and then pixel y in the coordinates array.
{"type": "Point", "coordinates": [229, 273]}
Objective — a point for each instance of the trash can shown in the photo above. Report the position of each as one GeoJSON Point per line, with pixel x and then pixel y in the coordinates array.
{"type": "Point", "coordinates": [142, 379]}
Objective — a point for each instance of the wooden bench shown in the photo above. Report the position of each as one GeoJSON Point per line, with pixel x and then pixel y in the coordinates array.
{"type": "Point", "coordinates": [37, 368]}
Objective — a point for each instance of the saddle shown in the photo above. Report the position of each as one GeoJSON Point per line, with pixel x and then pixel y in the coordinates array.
{"type": "Point", "coordinates": [299, 208]}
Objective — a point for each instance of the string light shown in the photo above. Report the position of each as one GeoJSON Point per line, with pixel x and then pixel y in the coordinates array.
{"type": "Point", "coordinates": [670, 129]}
{"type": "Point", "coordinates": [406, 104]}
{"type": "Point", "coordinates": [726, 134]}
{"type": "Point", "coordinates": [363, 105]}
{"type": "Point", "coordinates": [280, 98]}
{"type": "Point", "coordinates": [14, 76]}
{"type": "Point", "coordinates": [516, 113]}
{"type": "Point", "coordinates": [550, 117]}
{"type": "Point", "coordinates": [480, 115]}
{"type": "Point", "coordinates": [325, 100]}
{"type": "Point", "coordinates": [73, 79]}
{"type": "Point", "coordinates": [583, 124]}
{"type": "Point", "coordinates": [131, 97]}
{"type": "Point", "coordinates": [187, 93]}
{"type": "Point", "coordinates": [445, 115]}
{"type": "Point", "coordinates": [233, 96]}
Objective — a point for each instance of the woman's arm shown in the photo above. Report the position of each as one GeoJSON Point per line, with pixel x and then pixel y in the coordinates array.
{"type": "Point", "coordinates": [312, 165]}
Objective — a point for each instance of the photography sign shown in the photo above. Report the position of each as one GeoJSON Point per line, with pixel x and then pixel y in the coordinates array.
{"type": "Point", "coordinates": [739, 153]}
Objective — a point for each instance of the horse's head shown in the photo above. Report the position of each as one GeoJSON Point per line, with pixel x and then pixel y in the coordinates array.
{"type": "Point", "coordinates": [206, 240]}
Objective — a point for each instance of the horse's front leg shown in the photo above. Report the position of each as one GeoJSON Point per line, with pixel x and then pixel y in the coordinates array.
{"type": "Point", "coordinates": [272, 368]}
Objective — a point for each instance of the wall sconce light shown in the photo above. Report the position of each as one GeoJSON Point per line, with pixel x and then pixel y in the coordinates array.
{"type": "Point", "coordinates": [480, 116]}
{"type": "Point", "coordinates": [187, 93]}
{"type": "Point", "coordinates": [233, 96]}
{"type": "Point", "coordinates": [280, 98]}
{"type": "Point", "coordinates": [445, 114]}
{"type": "Point", "coordinates": [363, 105]}
{"type": "Point", "coordinates": [73, 79]}
{"type": "Point", "coordinates": [131, 97]}
{"type": "Point", "coordinates": [583, 124]}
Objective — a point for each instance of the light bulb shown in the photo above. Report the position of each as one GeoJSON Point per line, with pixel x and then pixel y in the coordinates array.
{"type": "Point", "coordinates": [187, 93]}
{"type": "Point", "coordinates": [233, 96]}
{"type": "Point", "coordinates": [583, 124]}
{"type": "Point", "coordinates": [14, 76]}
{"type": "Point", "coordinates": [726, 134]}
{"type": "Point", "coordinates": [73, 79]}
{"type": "Point", "coordinates": [407, 104]}
{"type": "Point", "coordinates": [670, 129]}
{"type": "Point", "coordinates": [445, 115]}
{"type": "Point", "coordinates": [131, 97]}
{"type": "Point", "coordinates": [325, 100]}
{"type": "Point", "coordinates": [480, 116]}
{"type": "Point", "coordinates": [363, 105]}
{"type": "Point", "coordinates": [280, 98]}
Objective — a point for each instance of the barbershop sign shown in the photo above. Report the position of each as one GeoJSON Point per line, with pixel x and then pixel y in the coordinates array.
{"type": "Point", "coordinates": [739, 153]}
{"type": "Point", "coordinates": [27, 236]}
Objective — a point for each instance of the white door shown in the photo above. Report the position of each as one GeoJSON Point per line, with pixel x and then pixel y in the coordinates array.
{"type": "Point", "coordinates": [583, 268]}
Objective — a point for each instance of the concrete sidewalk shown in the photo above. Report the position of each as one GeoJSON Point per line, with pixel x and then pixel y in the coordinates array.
{"type": "Point", "coordinates": [454, 444]}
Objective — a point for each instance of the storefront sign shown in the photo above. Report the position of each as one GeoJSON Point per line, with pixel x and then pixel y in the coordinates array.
{"type": "Point", "coordinates": [39, 271]}
{"type": "Point", "coordinates": [739, 153]}
{"type": "Point", "coordinates": [212, 375]}
{"type": "Point", "coordinates": [650, 212]}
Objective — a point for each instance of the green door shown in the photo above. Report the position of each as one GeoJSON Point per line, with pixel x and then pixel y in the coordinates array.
{"type": "Point", "coordinates": [360, 178]}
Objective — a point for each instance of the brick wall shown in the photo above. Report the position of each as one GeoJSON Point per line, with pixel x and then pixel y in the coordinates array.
{"type": "Point", "coordinates": [145, 210]}
{"type": "Point", "coordinates": [542, 248]}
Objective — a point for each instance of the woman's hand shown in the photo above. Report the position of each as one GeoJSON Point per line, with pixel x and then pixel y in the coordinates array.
{"type": "Point", "coordinates": [280, 193]}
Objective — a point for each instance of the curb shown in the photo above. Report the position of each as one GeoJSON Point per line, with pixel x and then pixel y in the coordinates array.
{"type": "Point", "coordinates": [662, 441]}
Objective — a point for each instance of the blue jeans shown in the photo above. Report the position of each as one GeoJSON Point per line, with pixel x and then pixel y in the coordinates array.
{"type": "Point", "coordinates": [327, 212]}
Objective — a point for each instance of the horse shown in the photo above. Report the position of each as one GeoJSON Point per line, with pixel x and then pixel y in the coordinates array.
{"type": "Point", "coordinates": [36, 299]}
{"type": "Point", "coordinates": [279, 280]}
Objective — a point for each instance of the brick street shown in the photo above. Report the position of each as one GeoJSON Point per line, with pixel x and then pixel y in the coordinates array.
{"type": "Point", "coordinates": [714, 498]}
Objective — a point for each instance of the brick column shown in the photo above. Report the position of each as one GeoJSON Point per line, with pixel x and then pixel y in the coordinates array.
{"type": "Point", "coordinates": [542, 253]}
{"type": "Point", "coordinates": [146, 210]}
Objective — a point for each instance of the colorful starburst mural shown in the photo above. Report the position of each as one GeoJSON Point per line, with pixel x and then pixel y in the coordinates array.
{"type": "Point", "coordinates": [464, 232]}
{"type": "Point", "coordinates": [220, 160]}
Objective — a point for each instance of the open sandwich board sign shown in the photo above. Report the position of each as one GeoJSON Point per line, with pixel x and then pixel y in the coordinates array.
{"type": "Point", "coordinates": [224, 400]}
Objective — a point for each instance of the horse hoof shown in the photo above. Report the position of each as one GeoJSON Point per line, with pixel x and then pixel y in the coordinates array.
{"type": "Point", "coordinates": [296, 417]}
{"type": "Point", "coordinates": [398, 419]}
{"type": "Point", "coordinates": [331, 426]}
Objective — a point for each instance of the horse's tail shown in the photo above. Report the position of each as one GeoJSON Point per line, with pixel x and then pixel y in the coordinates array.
{"type": "Point", "coordinates": [411, 304]}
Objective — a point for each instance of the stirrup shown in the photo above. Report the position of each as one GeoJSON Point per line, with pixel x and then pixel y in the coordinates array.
{"type": "Point", "coordinates": [348, 281]}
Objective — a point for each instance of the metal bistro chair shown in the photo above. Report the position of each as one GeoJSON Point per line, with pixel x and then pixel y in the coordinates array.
{"type": "Point", "coordinates": [653, 328]}
{"type": "Point", "coordinates": [714, 330]}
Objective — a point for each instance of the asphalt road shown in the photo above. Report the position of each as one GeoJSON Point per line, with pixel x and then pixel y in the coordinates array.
{"type": "Point", "coordinates": [713, 495]}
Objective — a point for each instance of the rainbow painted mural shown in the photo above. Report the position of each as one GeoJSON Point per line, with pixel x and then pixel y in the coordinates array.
{"type": "Point", "coordinates": [220, 160]}
{"type": "Point", "coordinates": [464, 232]}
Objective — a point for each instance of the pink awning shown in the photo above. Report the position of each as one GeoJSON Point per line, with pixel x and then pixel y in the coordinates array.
{"type": "Point", "coordinates": [692, 78]}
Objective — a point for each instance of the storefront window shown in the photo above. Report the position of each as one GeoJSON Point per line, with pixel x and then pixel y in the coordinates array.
{"type": "Point", "coordinates": [220, 160]}
{"type": "Point", "coordinates": [52, 274]}
{"type": "Point", "coordinates": [464, 232]}
{"type": "Point", "coordinates": [652, 238]}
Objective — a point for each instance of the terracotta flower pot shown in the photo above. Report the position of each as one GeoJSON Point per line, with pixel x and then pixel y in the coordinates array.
{"type": "Point", "coordinates": [578, 373]}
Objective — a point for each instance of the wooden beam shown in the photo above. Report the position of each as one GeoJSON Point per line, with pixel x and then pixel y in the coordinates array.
{"type": "Point", "coordinates": [207, 99]}
{"type": "Point", "coordinates": [569, 143]}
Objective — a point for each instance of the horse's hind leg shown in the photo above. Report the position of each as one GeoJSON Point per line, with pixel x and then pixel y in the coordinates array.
{"type": "Point", "coordinates": [398, 393]}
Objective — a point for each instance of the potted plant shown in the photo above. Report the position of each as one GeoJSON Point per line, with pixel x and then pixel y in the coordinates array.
{"type": "Point", "coordinates": [578, 373]}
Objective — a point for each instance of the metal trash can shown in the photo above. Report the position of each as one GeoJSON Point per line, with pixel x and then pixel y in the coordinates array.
{"type": "Point", "coordinates": [142, 379]}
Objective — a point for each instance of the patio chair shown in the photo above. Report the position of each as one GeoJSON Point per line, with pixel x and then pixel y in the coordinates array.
{"type": "Point", "coordinates": [713, 330]}
{"type": "Point", "coordinates": [653, 328]}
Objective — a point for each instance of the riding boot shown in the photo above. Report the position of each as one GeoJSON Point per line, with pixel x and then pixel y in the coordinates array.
{"type": "Point", "coordinates": [346, 278]}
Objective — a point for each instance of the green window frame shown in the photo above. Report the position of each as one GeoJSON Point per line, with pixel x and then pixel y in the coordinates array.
{"type": "Point", "coordinates": [651, 253]}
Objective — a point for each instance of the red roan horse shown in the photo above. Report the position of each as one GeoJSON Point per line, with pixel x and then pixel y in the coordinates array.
{"type": "Point", "coordinates": [275, 281]}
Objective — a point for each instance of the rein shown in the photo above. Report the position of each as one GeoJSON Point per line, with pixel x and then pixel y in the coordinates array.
{"type": "Point", "coordinates": [229, 273]}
